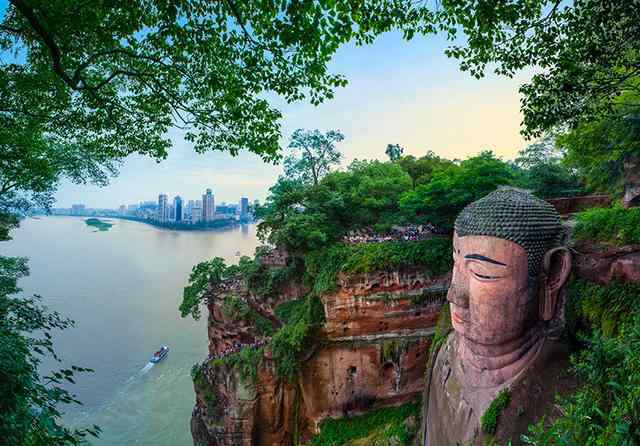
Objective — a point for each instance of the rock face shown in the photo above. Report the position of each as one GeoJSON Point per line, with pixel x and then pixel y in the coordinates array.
{"type": "Point", "coordinates": [602, 264]}
{"type": "Point", "coordinates": [371, 353]}
{"type": "Point", "coordinates": [631, 196]}
{"type": "Point", "coordinates": [571, 205]}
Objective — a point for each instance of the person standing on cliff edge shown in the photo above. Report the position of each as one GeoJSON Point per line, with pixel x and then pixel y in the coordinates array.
{"type": "Point", "coordinates": [506, 301]}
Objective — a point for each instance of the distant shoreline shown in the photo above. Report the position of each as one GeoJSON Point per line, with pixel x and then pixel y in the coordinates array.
{"type": "Point", "coordinates": [212, 226]}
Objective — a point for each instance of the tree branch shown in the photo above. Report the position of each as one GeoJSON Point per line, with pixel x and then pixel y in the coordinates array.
{"type": "Point", "coordinates": [47, 39]}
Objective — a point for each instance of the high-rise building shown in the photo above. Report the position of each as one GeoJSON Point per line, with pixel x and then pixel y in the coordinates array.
{"type": "Point", "coordinates": [163, 208]}
{"type": "Point", "coordinates": [196, 213]}
{"type": "Point", "coordinates": [208, 206]}
{"type": "Point", "coordinates": [244, 207]}
{"type": "Point", "coordinates": [177, 206]}
{"type": "Point", "coordinates": [122, 210]}
{"type": "Point", "coordinates": [188, 209]}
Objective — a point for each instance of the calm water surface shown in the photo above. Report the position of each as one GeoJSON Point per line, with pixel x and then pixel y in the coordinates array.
{"type": "Point", "coordinates": [123, 288]}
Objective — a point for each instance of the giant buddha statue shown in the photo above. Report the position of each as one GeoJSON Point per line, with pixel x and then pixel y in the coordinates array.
{"type": "Point", "coordinates": [506, 303]}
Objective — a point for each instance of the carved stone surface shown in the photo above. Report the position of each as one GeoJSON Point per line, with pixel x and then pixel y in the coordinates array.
{"type": "Point", "coordinates": [507, 281]}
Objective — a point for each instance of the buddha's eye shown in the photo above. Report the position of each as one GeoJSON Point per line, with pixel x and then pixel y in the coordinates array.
{"type": "Point", "coordinates": [482, 276]}
{"type": "Point", "coordinates": [481, 271]}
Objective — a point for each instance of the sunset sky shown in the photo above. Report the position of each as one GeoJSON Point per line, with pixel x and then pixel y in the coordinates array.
{"type": "Point", "coordinates": [401, 92]}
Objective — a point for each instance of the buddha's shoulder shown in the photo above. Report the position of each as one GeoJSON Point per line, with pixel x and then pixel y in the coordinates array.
{"type": "Point", "coordinates": [533, 394]}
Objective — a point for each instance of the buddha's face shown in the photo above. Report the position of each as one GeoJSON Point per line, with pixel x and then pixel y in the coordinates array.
{"type": "Point", "coordinates": [491, 303]}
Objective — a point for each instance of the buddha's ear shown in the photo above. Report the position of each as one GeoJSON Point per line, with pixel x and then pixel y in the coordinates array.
{"type": "Point", "coordinates": [556, 267]}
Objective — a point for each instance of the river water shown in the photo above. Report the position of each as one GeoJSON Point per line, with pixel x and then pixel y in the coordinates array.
{"type": "Point", "coordinates": [123, 288]}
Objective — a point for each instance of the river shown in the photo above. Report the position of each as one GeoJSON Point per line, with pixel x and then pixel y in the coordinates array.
{"type": "Point", "coordinates": [123, 287]}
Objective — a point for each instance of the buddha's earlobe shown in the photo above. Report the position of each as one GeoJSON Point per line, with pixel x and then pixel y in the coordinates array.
{"type": "Point", "coordinates": [556, 267]}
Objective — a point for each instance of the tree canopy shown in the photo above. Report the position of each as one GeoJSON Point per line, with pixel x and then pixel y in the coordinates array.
{"type": "Point", "coordinates": [317, 155]}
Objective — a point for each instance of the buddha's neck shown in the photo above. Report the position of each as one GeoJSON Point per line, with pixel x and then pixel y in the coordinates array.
{"type": "Point", "coordinates": [490, 366]}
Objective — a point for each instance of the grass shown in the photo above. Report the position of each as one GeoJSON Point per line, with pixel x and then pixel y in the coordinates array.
{"type": "Point", "coordinates": [615, 225]}
{"type": "Point", "coordinates": [385, 423]}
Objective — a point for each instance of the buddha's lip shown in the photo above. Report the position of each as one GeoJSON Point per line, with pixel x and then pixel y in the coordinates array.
{"type": "Point", "coordinates": [456, 315]}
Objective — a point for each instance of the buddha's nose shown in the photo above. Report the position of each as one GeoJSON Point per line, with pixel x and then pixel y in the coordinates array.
{"type": "Point", "coordinates": [458, 293]}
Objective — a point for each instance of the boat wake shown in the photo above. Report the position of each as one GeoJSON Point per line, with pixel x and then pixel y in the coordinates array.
{"type": "Point", "coordinates": [147, 367]}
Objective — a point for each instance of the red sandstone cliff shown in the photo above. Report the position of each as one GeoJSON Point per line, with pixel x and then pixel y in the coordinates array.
{"type": "Point", "coordinates": [371, 352]}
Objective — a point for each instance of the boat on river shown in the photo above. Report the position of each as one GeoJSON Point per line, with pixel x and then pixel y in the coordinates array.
{"type": "Point", "coordinates": [160, 354]}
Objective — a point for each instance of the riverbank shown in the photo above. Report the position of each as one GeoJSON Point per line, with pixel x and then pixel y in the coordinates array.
{"type": "Point", "coordinates": [226, 223]}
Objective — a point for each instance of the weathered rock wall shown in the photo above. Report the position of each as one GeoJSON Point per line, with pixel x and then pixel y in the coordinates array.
{"type": "Point", "coordinates": [602, 264]}
{"type": "Point", "coordinates": [567, 206]}
{"type": "Point", "coordinates": [371, 353]}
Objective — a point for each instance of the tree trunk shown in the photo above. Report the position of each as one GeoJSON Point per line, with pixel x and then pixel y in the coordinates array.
{"type": "Point", "coordinates": [631, 196]}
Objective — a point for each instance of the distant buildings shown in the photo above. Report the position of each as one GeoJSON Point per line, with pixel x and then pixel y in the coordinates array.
{"type": "Point", "coordinates": [244, 207]}
{"type": "Point", "coordinates": [208, 206]}
{"type": "Point", "coordinates": [163, 208]}
{"type": "Point", "coordinates": [177, 207]}
{"type": "Point", "coordinates": [175, 212]}
{"type": "Point", "coordinates": [78, 209]}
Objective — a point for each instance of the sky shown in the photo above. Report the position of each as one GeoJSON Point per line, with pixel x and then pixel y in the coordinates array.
{"type": "Point", "coordinates": [399, 92]}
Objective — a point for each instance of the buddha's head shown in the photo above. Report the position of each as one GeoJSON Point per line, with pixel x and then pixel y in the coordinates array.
{"type": "Point", "coordinates": [509, 270]}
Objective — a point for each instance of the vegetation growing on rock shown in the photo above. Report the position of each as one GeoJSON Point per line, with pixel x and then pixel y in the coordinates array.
{"type": "Point", "coordinates": [393, 425]}
{"type": "Point", "coordinates": [615, 225]}
{"type": "Point", "coordinates": [605, 410]}
{"type": "Point", "coordinates": [489, 419]}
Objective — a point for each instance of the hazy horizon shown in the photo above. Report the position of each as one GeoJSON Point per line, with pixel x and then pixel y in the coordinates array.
{"type": "Point", "coordinates": [399, 92]}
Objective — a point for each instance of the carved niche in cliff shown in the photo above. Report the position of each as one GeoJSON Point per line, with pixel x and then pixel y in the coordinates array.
{"type": "Point", "coordinates": [506, 307]}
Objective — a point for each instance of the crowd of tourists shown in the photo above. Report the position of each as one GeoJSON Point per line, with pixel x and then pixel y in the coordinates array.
{"type": "Point", "coordinates": [235, 348]}
{"type": "Point", "coordinates": [403, 233]}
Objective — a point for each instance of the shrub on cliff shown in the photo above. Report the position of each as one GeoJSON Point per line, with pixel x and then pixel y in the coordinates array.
{"type": "Point", "coordinates": [606, 408]}
{"type": "Point", "coordinates": [391, 425]}
{"type": "Point", "coordinates": [432, 255]}
{"type": "Point", "coordinates": [614, 225]}
{"type": "Point", "coordinates": [293, 338]}
{"type": "Point", "coordinates": [204, 277]}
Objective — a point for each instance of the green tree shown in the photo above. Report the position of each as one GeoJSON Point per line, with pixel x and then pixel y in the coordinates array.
{"type": "Point", "coordinates": [598, 149]}
{"type": "Point", "coordinates": [542, 171]}
{"type": "Point", "coordinates": [205, 277]}
{"type": "Point", "coordinates": [394, 151]}
{"type": "Point", "coordinates": [317, 154]}
{"type": "Point", "coordinates": [420, 169]}
{"type": "Point", "coordinates": [454, 186]}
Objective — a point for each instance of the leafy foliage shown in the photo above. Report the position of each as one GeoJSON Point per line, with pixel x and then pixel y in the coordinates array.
{"type": "Point", "coordinates": [385, 424]}
{"type": "Point", "coordinates": [452, 187]}
{"type": "Point", "coordinates": [295, 337]}
{"type": "Point", "coordinates": [606, 407]}
{"type": "Point", "coordinates": [489, 419]}
{"type": "Point", "coordinates": [112, 78]}
{"type": "Point", "coordinates": [317, 154]}
{"type": "Point", "coordinates": [204, 276]}
{"type": "Point", "coordinates": [421, 169]}
{"type": "Point", "coordinates": [394, 151]}
{"type": "Point", "coordinates": [433, 255]}
{"type": "Point", "coordinates": [234, 308]}
{"type": "Point", "coordinates": [614, 225]}
{"type": "Point", "coordinates": [543, 172]}
{"type": "Point", "coordinates": [598, 148]}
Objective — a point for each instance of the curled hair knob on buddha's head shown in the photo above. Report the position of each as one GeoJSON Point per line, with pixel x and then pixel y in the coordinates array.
{"type": "Point", "coordinates": [515, 215]}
